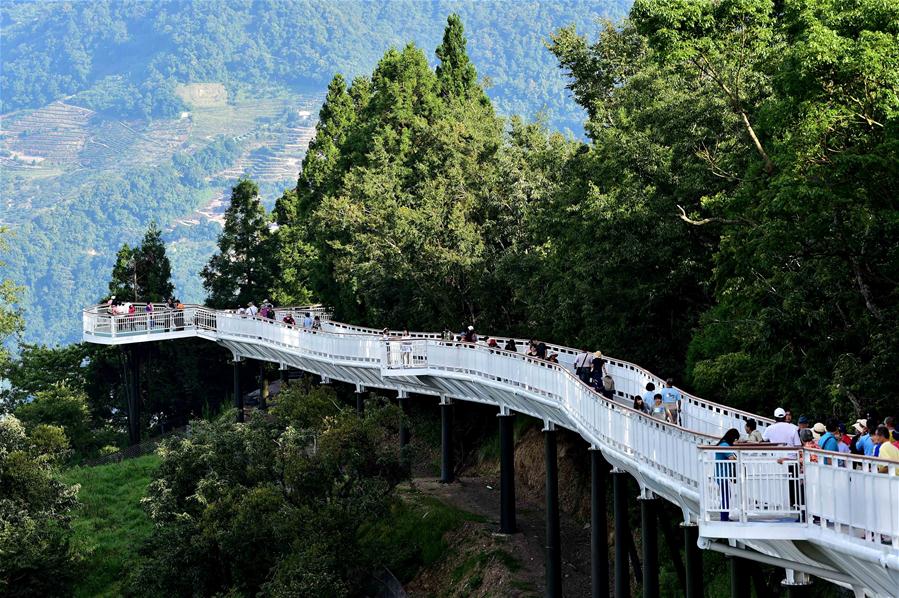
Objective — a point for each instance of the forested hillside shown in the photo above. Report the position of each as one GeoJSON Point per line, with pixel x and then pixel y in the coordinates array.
{"type": "Point", "coordinates": [116, 114]}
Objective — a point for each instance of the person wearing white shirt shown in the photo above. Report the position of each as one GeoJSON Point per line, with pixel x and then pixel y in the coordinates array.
{"type": "Point", "coordinates": [782, 432]}
{"type": "Point", "coordinates": [252, 310]}
{"type": "Point", "coordinates": [582, 365]}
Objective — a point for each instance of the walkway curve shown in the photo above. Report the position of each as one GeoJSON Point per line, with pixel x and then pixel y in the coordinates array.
{"type": "Point", "coordinates": [849, 509]}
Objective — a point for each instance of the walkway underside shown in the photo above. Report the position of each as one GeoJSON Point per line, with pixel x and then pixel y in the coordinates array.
{"type": "Point", "coordinates": [855, 545]}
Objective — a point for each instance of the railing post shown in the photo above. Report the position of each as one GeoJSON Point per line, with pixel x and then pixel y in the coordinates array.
{"type": "Point", "coordinates": [553, 582]}
{"type": "Point", "coordinates": [447, 473]}
{"type": "Point", "coordinates": [622, 570]}
{"type": "Point", "coordinates": [599, 533]}
{"type": "Point", "coordinates": [507, 523]}
{"type": "Point", "coordinates": [650, 534]}
{"type": "Point", "coordinates": [694, 560]}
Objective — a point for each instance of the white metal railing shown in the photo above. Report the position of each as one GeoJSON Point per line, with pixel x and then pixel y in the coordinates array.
{"type": "Point", "coordinates": [751, 485]}
{"type": "Point", "coordinates": [759, 486]}
{"type": "Point", "coordinates": [405, 353]}
{"type": "Point", "coordinates": [853, 495]}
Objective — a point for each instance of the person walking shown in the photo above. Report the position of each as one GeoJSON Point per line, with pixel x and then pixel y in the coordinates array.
{"type": "Point", "coordinates": [582, 365]}
{"type": "Point", "coordinates": [726, 470]}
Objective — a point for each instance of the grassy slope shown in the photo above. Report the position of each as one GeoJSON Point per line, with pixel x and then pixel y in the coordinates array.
{"type": "Point", "coordinates": [110, 525]}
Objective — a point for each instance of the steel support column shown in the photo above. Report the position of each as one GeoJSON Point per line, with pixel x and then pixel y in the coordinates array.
{"type": "Point", "coordinates": [131, 366]}
{"type": "Point", "coordinates": [622, 571]}
{"type": "Point", "coordinates": [507, 524]}
{"type": "Point", "coordinates": [599, 526]}
{"type": "Point", "coordinates": [447, 468]}
{"type": "Point", "coordinates": [238, 396]}
{"type": "Point", "coordinates": [553, 583]}
{"type": "Point", "coordinates": [650, 532]}
{"type": "Point", "coordinates": [694, 560]}
{"type": "Point", "coordinates": [360, 400]}
{"type": "Point", "coordinates": [739, 578]}
{"type": "Point", "coordinates": [404, 425]}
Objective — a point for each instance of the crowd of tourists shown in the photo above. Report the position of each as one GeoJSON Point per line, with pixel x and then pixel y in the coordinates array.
{"type": "Point", "coordinates": [266, 311]}
{"type": "Point", "coordinates": [168, 315]}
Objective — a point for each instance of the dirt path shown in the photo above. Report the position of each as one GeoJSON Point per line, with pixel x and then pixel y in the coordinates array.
{"type": "Point", "coordinates": [480, 495]}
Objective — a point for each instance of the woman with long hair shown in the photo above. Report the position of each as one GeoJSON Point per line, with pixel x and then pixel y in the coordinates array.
{"type": "Point", "coordinates": [726, 472]}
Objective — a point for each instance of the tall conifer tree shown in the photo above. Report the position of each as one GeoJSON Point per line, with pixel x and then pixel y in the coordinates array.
{"type": "Point", "coordinates": [144, 272]}
{"type": "Point", "coordinates": [456, 73]}
{"type": "Point", "coordinates": [241, 270]}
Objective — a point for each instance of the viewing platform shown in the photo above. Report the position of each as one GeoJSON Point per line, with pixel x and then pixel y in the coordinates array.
{"type": "Point", "coordinates": [811, 512]}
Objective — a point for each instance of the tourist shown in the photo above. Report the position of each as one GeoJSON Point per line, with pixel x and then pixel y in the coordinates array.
{"type": "Point", "coordinates": [864, 444]}
{"type": "Point", "coordinates": [406, 348]}
{"type": "Point", "coordinates": [541, 350]}
{"type": "Point", "coordinates": [803, 422]}
{"type": "Point", "coordinates": [608, 386]}
{"type": "Point", "coordinates": [532, 348]}
{"type": "Point", "coordinates": [890, 423]}
{"type": "Point", "coordinates": [316, 323]}
{"type": "Point", "coordinates": [818, 431]}
{"type": "Point", "coordinates": [828, 439]}
{"type": "Point", "coordinates": [148, 309]}
{"type": "Point", "coordinates": [491, 342]}
{"type": "Point", "coordinates": [658, 409]}
{"type": "Point", "coordinates": [672, 399]}
{"type": "Point", "coordinates": [726, 473]}
{"type": "Point", "coordinates": [885, 449]}
{"type": "Point", "coordinates": [782, 431]}
{"type": "Point", "coordinates": [639, 405]}
{"type": "Point", "coordinates": [470, 335]}
{"type": "Point", "coordinates": [511, 345]}
{"type": "Point", "coordinates": [597, 370]}
{"type": "Point", "coordinates": [288, 319]}
{"type": "Point", "coordinates": [582, 364]}
{"type": "Point", "coordinates": [752, 433]}
{"type": "Point", "coordinates": [307, 321]}
{"type": "Point", "coordinates": [553, 358]}
{"type": "Point", "coordinates": [807, 438]}
{"type": "Point", "coordinates": [252, 310]}
{"type": "Point", "coordinates": [788, 416]}
{"type": "Point", "coordinates": [385, 334]}
{"type": "Point", "coordinates": [650, 393]}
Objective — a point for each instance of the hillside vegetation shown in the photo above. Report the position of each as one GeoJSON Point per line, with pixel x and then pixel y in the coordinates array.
{"type": "Point", "coordinates": [104, 103]}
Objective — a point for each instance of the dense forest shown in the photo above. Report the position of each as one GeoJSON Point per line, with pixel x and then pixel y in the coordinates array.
{"type": "Point", "coordinates": [125, 59]}
{"type": "Point", "coordinates": [731, 221]}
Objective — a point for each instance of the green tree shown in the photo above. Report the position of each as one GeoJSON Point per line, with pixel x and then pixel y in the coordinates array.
{"type": "Point", "coordinates": [36, 556]}
{"type": "Point", "coordinates": [143, 273]}
{"type": "Point", "coordinates": [62, 406]}
{"type": "Point", "coordinates": [242, 269]}
{"type": "Point", "coordinates": [11, 321]}
{"type": "Point", "coordinates": [455, 73]}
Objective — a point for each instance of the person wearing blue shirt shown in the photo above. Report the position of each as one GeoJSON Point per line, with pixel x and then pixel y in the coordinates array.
{"type": "Point", "coordinates": [650, 393]}
{"type": "Point", "coordinates": [864, 445]}
{"type": "Point", "coordinates": [828, 441]}
{"type": "Point", "coordinates": [672, 399]}
{"type": "Point", "coordinates": [725, 473]}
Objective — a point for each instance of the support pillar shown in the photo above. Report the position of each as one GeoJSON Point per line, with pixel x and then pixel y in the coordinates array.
{"type": "Point", "coordinates": [401, 400]}
{"type": "Point", "coordinates": [797, 584]}
{"type": "Point", "coordinates": [507, 524]}
{"type": "Point", "coordinates": [131, 367]}
{"type": "Point", "coordinates": [447, 468]}
{"type": "Point", "coordinates": [360, 400]}
{"type": "Point", "coordinates": [622, 571]}
{"type": "Point", "coordinates": [694, 560]}
{"type": "Point", "coordinates": [650, 535]}
{"type": "Point", "coordinates": [263, 388]}
{"type": "Point", "coordinates": [553, 584]}
{"type": "Point", "coordinates": [282, 374]}
{"type": "Point", "coordinates": [238, 396]}
{"type": "Point", "coordinates": [739, 577]}
{"type": "Point", "coordinates": [599, 527]}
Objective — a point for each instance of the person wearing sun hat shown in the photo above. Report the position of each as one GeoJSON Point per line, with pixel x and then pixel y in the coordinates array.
{"type": "Point", "coordinates": [818, 430]}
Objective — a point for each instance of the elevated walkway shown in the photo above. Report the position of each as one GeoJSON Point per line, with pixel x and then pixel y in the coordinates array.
{"type": "Point", "coordinates": [833, 516]}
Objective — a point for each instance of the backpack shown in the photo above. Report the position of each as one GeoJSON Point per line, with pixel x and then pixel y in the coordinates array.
{"type": "Point", "coordinates": [608, 383]}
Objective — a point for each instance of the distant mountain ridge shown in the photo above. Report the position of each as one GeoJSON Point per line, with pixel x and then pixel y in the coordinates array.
{"type": "Point", "coordinates": [116, 114]}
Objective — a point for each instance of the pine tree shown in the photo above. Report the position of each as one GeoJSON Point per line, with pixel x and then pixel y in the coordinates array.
{"type": "Point", "coordinates": [241, 270]}
{"type": "Point", "coordinates": [457, 75]}
{"type": "Point", "coordinates": [143, 273]}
